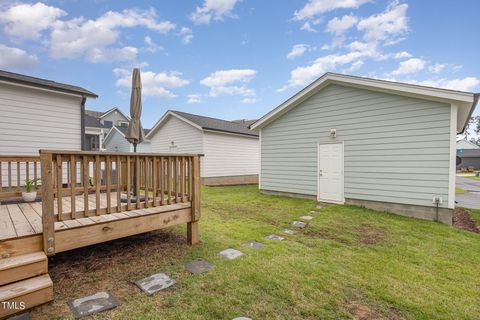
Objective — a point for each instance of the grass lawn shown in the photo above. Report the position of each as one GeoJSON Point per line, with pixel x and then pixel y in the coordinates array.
{"type": "Point", "coordinates": [459, 190]}
{"type": "Point", "coordinates": [348, 263]}
{"type": "Point", "coordinates": [473, 177]}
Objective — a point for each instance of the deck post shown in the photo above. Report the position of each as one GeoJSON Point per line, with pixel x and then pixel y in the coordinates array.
{"type": "Point", "coordinates": [192, 226]}
{"type": "Point", "coordinates": [47, 203]}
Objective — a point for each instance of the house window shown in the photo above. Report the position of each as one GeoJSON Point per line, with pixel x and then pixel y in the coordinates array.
{"type": "Point", "coordinates": [123, 123]}
{"type": "Point", "coordinates": [92, 142]}
{"type": "Point", "coordinates": [108, 124]}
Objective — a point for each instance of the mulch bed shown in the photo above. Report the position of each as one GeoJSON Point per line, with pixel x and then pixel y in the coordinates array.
{"type": "Point", "coordinates": [463, 220]}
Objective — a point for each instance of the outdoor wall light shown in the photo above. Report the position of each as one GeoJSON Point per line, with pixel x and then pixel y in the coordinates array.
{"type": "Point", "coordinates": [333, 133]}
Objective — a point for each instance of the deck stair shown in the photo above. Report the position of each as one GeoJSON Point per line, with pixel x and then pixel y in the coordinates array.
{"type": "Point", "coordinates": [24, 283]}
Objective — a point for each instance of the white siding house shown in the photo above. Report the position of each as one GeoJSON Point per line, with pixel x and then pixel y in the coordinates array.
{"type": "Point", "coordinates": [39, 114]}
{"type": "Point", "coordinates": [231, 151]}
{"type": "Point", "coordinates": [378, 144]}
{"type": "Point", "coordinates": [115, 141]}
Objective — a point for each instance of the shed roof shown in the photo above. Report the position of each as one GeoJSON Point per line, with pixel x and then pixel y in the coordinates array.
{"type": "Point", "coordinates": [44, 84]}
{"type": "Point", "coordinates": [208, 123]}
{"type": "Point", "coordinates": [466, 101]}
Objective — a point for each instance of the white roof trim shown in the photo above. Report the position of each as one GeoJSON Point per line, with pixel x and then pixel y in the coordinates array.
{"type": "Point", "coordinates": [464, 100]}
{"type": "Point", "coordinates": [114, 109]}
{"type": "Point", "coordinates": [110, 133]}
{"type": "Point", "coordinates": [164, 118]}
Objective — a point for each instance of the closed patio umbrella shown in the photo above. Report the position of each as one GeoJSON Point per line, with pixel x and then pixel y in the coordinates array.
{"type": "Point", "coordinates": [135, 132]}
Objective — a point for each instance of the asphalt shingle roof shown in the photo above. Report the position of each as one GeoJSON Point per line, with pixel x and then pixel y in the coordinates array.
{"type": "Point", "coordinates": [44, 83]}
{"type": "Point", "coordinates": [218, 124]}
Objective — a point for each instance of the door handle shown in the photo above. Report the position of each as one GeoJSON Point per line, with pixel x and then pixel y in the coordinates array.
{"type": "Point", "coordinates": [320, 173]}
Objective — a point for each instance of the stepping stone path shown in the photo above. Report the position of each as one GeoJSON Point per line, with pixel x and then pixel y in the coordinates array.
{"type": "Point", "coordinates": [155, 283]}
{"type": "Point", "coordinates": [274, 237]}
{"type": "Point", "coordinates": [231, 254]}
{"type": "Point", "coordinates": [242, 318]}
{"type": "Point", "coordinates": [198, 266]}
{"type": "Point", "coordinates": [315, 212]}
{"type": "Point", "coordinates": [100, 301]}
{"type": "Point", "coordinates": [254, 244]}
{"type": "Point", "coordinates": [289, 231]}
{"type": "Point", "coordinates": [299, 224]}
{"type": "Point", "coordinates": [306, 217]}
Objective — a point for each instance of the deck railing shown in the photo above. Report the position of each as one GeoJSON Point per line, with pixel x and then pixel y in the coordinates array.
{"type": "Point", "coordinates": [78, 185]}
{"type": "Point", "coordinates": [14, 170]}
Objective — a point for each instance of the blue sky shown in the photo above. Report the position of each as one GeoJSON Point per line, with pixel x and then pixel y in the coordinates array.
{"type": "Point", "coordinates": [236, 59]}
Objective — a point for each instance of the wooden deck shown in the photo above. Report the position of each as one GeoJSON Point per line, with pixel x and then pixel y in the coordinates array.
{"type": "Point", "coordinates": [81, 206]}
{"type": "Point", "coordinates": [25, 219]}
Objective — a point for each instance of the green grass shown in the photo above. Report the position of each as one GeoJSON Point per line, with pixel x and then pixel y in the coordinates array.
{"type": "Point", "coordinates": [472, 177]}
{"type": "Point", "coordinates": [475, 214]}
{"type": "Point", "coordinates": [348, 262]}
{"type": "Point", "coordinates": [459, 190]}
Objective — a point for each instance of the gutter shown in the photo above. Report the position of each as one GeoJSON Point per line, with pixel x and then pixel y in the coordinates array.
{"type": "Point", "coordinates": [82, 122]}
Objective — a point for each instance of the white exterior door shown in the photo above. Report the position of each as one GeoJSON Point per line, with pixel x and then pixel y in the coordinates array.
{"type": "Point", "coordinates": [330, 172]}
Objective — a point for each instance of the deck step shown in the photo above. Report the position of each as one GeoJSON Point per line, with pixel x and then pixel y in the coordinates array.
{"type": "Point", "coordinates": [22, 267]}
{"type": "Point", "coordinates": [25, 294]}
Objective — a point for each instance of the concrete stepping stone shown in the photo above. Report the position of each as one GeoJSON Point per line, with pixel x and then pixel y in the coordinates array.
{"type": "Point", "coordinates": [242, 318]}
{"type": "Point", "coordinates": [198, 266]}
{"type": "Point", "coordinates": [86, 306]}
{"type": "Point", "coordinates": [155, 283]}
{"type": "Point", "coordinates": [274, 237]}
{"type": "Point", "coordinates": [231, 254]}
{"type": "Point", "coordinates": [21, 316]}
{"type": "Point", "coordinates": [254, 244]}
{"type": "Point", "coordinates": [299, 224]}
{"type": "Point", "coordinates": [288, 231]}
{"type": "Point", "coordinates": [306, 217]}
{"type": "Point", "coordinates": [315, 212]}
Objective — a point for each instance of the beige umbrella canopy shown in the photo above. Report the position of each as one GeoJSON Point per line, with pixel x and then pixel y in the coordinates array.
{"type": "Point", "coordinates": [135, 132]}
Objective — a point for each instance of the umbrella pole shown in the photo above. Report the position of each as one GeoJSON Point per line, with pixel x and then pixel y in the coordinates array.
{"type": "Point", "coordinates": [135, 172]}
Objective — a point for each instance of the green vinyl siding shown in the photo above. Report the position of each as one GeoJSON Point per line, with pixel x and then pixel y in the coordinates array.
{"type": "Point", "coordinates": [396, 148]}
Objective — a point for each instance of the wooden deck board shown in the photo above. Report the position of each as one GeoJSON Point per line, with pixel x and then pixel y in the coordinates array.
{"type": "Point", "coordinates": [7, 230]}
{"type": "Point", "coordinates": [25, 219]}
{"type": "Point", "coordinates": [20, 222]}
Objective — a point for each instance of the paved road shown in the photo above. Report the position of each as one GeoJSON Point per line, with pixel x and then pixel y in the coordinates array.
{"type": "Point", "coordinates": [472, 198]}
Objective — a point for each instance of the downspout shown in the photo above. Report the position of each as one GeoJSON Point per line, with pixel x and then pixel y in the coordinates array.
{"type": "Point", "coordinates": [82, 122]}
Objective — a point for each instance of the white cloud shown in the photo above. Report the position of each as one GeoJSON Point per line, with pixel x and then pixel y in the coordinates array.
{"type": "Point", "coordinates": [355, 66]}
{"type": "Point", "coordinates": [249, 100]}
{"type": "Point", "coordinates": [153, 84]}
{"type": "Point", "coordinates": [297, 51]}
{"type": "Point", "coordinates": [301, 76]}
{"type": "Point", "coordinates": [186, 34]}
{"type": "Point", "coordinates": [15, 58]}
{"type": "Point", "coordinates": [77, 37]}
{"type": "Point", "coordinates": [194, 98]}
{"type": "Point", "coordinates": [388, 26]}
{"type": "Point", "coordinates": [27, 21]}
{"type": "Point", "coordinates": [315, 7]}
{"type": "Point", "coordinates": [338, 26]}
{"type": "Point", "coordinates": [402, 55]}
{"type": "Point", "coordinates": [437, 68]}
{"type": "Point", "coordinates": [213, 10]}
{"type": "Point", "coordinates": [97, 55]}
{"type": "Point", "coordinates": [411, 65]}
{"type": "Point", "coordinates": [468, 84]}
{"type": "Point", "coordinates": [229, 82]}
{"type": "Point", "coordinates": [151, 46]}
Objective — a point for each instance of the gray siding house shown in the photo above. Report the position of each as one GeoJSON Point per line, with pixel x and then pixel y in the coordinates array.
{"type": "Point", "coordinates": [379, 144]}
{"type": "Point", "coordinates": [115, 141]}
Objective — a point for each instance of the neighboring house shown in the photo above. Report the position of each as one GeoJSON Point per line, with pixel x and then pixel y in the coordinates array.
{"type": "Point", "coordinates": [383, 145]}
{"type": "Point", "coordinates": [98, 124]}
{"type": "Point", "coordinates": [231, 150]}
{"type": "Point", "coordinates": [115, 141]}
{"type": "Point", "coordinates": [469, 158]}
{"type": "Point", "coordinates": [466, 145]}
{"type": "Point", "coordinates": [40, 114]}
